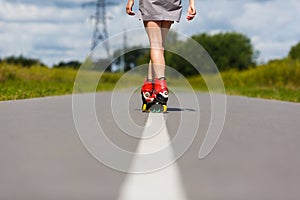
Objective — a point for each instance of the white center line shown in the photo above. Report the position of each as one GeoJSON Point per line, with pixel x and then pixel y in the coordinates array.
{"type": "Point", "coordinates": [162, 184]}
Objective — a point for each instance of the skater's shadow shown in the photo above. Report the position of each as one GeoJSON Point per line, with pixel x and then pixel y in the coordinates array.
{"type": "Point", "coordinates": [175, 110]}
{"type": "Point", "coordinates": [181, 110]}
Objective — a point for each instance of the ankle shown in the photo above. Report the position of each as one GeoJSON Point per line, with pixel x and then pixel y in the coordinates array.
{"type": "Point", "coordinates": [161, 78]}
{"type": "Point", "coordinates": [149, 79]}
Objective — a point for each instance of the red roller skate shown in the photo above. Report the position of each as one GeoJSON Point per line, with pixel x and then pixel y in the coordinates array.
{"type": "Point", "coordinates": [147, 95]}
{"type": "Point", "coordinates": [161, 94]}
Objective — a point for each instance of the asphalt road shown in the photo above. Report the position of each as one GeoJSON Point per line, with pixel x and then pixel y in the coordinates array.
{"type": "Point", "coordinates": [256, 157]}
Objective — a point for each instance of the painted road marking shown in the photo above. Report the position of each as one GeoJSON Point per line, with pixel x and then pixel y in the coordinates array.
{"type": "Point", "coordinates": [162, 184]}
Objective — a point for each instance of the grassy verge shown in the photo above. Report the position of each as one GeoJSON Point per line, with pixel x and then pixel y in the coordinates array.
{"type": "Point", "coordinates": [21, 83]}
{"type": "Point", "coordinates": [12, 90]}
{"type": "Point", "coordinates": [277, 80]}
{"type": "Point", "coordinates": [283, 94]}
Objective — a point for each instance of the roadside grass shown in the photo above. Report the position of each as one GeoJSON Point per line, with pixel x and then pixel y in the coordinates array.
{"type": "Point", "coordinates": [17, 82]}
{"type": "Point", "coordinates": [12, 90]}
{"type": "Point", "coordinates": [278, 80]}
{"type": "Point", "coordinates": [282, 94]}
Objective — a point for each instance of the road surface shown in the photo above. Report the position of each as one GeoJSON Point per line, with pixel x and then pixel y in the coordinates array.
{"type": "Point", "coordinates": [256, 157]}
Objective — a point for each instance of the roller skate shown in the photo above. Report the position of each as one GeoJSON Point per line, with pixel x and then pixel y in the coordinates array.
{"type": "Point", "coordinates": [147, 95]}
{"type": "Point", "coordinates": [161, 94]}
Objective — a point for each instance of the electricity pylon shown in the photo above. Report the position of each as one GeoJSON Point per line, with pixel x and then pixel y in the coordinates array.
{"type": "Point", "coordinates": [100, 27]}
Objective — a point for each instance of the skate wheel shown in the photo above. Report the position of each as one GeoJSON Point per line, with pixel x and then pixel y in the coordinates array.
{"type": "Point", "coordinates": [165, 108]}
{"type": "Point", "coordinates": [144, 108]}
{"type": "Point", "coordinates": [158, 108]}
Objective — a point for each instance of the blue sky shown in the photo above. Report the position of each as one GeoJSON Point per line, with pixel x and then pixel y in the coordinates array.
{"type": "Point", "coordinates": [60, 30]}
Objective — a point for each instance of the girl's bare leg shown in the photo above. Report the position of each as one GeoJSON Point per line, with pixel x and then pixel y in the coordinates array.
{"type": "Point", "coordinates": [165, 25]}
{"type": "Point", "coordinates": [150, 71]}
{"type": "Point", "coordinates": [157, 32]}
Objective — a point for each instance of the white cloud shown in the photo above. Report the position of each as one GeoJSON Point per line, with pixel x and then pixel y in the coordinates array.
{"type": "Point", "coordinates": [56, 30]}
{"type": "Point", "coordinates": [43, 31]}
{"type": "Point", "coordinates": [271, 25]}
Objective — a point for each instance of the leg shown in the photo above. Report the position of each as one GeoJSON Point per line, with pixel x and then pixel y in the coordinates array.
{"type": "Point", "coordinates": [150, 71]}
{"type": "Point", "coordinates": [165, 27]}
{"type": "Point", "coordinates": [157, 32]}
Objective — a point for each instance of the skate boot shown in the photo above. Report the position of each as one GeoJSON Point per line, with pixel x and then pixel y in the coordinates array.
{"type": "Point", "coordinates": [161, 94]}
{"type": "Point", "coordinates": [147, 95]}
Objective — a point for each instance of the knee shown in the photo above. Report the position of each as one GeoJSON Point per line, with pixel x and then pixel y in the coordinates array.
{"type": "Point", "coordinates": [157, 46]}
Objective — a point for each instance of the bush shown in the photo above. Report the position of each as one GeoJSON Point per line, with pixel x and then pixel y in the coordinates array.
{"type": "Point", "coordinates": [229, 50]}
{"type": "Point", "coordinates": [295, 52]}
{"type": "Point", "coordinates": [280, 74]}
{"type": "Point", "coordinates": [70, 64]}
{"type": "Point", "coordinates": [22, 61]}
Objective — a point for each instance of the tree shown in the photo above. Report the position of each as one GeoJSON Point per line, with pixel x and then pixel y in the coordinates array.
{"type": "Point", "coordinates": [228, 50]}
{"type": "Point", "coordinates": [295, 52]}
{"type": "Point", "coordinates": [132, 56]}
{"type": "Point", "coordinates": [24, 62]}
{"type": "Point", "coordinates": [71, 64]}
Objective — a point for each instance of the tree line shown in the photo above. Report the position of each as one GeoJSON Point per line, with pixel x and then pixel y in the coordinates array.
{"type": "Point", "coordinates": [228, 51]}
{"type": "Point", "coordinates": [23, 61]}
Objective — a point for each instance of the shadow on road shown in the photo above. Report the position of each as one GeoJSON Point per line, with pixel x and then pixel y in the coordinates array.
{"type": "Point", "coordinates": [174, 109]}
{"type": "Point", "coordinates": [181, 109]}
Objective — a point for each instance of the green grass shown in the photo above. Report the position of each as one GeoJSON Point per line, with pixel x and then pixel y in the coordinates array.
{"type": "Point", "coordinates": [12, 90]}
{"type": "Point", "coordinates": [276, 80]}
{"type": "Point", "coordinates": [17, 82]}
{"type": "Point", "coordinates": [283, 94]}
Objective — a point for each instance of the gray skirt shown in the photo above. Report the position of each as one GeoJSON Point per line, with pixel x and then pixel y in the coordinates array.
{"type": "Point", "coordinates": [157, 10]}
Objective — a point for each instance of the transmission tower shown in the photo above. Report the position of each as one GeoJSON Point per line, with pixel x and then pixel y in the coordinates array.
{"type": "Point", "coordinates": [100, 32]}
